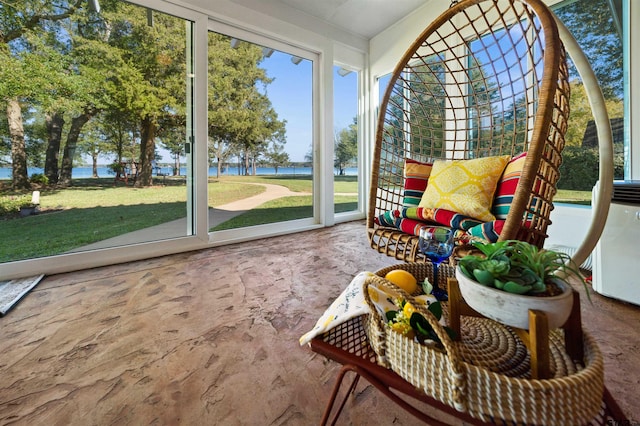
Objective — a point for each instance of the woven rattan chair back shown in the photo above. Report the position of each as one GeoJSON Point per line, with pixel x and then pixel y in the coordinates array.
{"type": "Point", "coordinates": [486, 78]}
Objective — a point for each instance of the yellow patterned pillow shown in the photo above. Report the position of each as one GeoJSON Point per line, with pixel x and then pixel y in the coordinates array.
{"type": "Point", "coordinates": [465, 186]}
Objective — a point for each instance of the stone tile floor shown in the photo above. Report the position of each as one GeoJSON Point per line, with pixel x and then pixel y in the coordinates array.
{"type": "Point", "coordinates": [211, 337]}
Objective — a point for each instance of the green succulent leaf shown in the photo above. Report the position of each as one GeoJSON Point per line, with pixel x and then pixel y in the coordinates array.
{"type": "Point", "coordinates": [519, 267]}
{"type": "Point", "coordinates": [513, 287]}
{"type": "Point", "coordinates": [391, 315]}
{"type": "Point", "coordinates": [436, 309]}
{"type": "Point", "coordinates": [483, 277]}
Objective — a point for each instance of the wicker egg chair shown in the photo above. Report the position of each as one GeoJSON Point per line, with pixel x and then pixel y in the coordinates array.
{"type": "Point", "coordinates": [486, 78]}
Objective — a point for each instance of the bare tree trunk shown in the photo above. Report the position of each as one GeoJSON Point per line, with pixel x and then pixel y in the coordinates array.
{"type": "Point", "coordinates": [246, 164]}
{"type": "Point", "coordinates": [54, 124]}
{"type": "Point", "coordinates": [70, 147]}
{"type": "Point", "coordinates": [176, 164]}
{"type": "Point", "coordinates": [20, 177]}
{"type": "Point", "coordinates": [147, 152]}
{"type": "Point", "coordinates": [94, 164]}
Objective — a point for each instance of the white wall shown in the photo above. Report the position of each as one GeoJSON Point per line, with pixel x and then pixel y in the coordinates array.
{"type": "Point", "coordinates": [569, 225]}
{"type": "Point", "coordinates": [386, 49]}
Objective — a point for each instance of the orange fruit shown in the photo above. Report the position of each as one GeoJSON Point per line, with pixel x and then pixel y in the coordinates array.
{"type": "Point", "coordinates": [403, 279]}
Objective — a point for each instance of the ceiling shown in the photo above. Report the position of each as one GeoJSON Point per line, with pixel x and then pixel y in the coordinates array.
{"type": "Point", "coordinates": [365, 18]}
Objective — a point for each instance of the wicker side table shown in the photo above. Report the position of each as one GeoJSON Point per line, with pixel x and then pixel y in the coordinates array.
{"type": "Point", "coordinates": [348, 345]}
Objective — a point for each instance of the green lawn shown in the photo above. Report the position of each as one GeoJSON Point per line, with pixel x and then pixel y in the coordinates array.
{"type": "Point", "coordinates": [573, 197]}
{"type": "Point", "coordinates": [94, 210]}
{"type": "Point", "coordinates": [288, 207]}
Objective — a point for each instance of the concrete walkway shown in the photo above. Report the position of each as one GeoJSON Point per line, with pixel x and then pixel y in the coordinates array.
{"type": "Point", "coordinates": [178, 228]}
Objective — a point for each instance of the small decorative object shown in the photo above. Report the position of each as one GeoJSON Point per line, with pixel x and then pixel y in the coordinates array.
{"type": "Point", "coordinates": [512, 277]}
{"type": "Point", "coordinates": [437, 244]}
{"type": "Point", "coordinates": [407, 321]}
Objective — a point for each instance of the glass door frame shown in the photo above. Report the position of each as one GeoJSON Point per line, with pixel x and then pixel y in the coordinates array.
{"type": "Point", "coordinates": [320, 178]}
{"type": "Point", "coordinates": [196, 234]}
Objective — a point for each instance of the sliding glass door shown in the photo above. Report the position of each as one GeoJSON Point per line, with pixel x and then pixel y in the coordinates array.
{"type": "Point", "coordinates": [260, 133]}
{"type": "Point", "coordinates": [97, 129]}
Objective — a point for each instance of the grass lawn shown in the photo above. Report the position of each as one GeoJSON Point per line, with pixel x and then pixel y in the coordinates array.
{"type": "Point", "coordinates": [573, 197]}
{"type": "Point", "coordinates": [289, 208]}
{"type": "Point", "coordinates": [94, 210]}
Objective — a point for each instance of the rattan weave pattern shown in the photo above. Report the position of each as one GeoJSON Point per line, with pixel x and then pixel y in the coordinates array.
{"type": "Point", "coordinates": [357, 347]}
{"type": "Point", "coordinates": [487, 77]}
{"type": "Point", "coordinates": [486, 373]}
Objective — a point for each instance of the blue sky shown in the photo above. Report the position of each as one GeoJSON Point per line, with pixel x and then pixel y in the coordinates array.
{"type": "Point", "coordinates": [291, 96]}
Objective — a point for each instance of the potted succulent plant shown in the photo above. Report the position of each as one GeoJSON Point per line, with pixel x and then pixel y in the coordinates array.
{"type": "Point", "coordinates": [511, 277]}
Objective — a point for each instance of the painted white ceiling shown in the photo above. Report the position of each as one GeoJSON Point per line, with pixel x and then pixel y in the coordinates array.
{"type": "Point", "coordinates": [364, 18]}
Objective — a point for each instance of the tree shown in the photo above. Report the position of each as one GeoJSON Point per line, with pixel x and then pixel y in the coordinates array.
{"type": "Point", "coordinates": [22, 22]}
{"type": "Point", "coordinates": [87, 49]}
{"type": "Point", "coordinates": [173, 137]}
{"type": "Point", "coordinates": [261, 128]}
{"type": "Point", "coordinates": [346, 147]}
{"type": "Point", "coordinates": [70, 65]}
{"type": "Point", "coordinates": [220, 151]}
{"type": "Point", "coordinates": [54, 124]}
{"type": "Point", "coordinates": [420, 89]}
{"type": "Point", "coordinates": [70, 146]}
{"type": "Point", "coordinates": [120, 133]}
{"type": "Point", "coordinates": [155, 86]}
{"type": "Point", "coordinates": [93, 143]}
{"type": "Point", "coordinates": [20, 179]}
{"type": "Point", "coordinates": [241, 119]}
{"type": "Point", "coordinates": [277, 157]}
{"type": "Point", "coordinates": [600, 41]}
{"type": "Point", "coordinates": [5, 142]}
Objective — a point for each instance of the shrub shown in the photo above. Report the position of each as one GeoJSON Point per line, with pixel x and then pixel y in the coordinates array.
{"type": "Point", "coordinates": [12, 203]}
{"type": "Point", "coordinates": [579, 169]}
{"type": "Point", "coordinates": [115, 168]}
{"type": "Point", "coordinates": [39, 178]}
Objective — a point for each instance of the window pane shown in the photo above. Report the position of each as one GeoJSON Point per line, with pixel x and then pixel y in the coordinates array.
{"type": "Point", "coordinates": [260, 134]}
{"type": "Point", "coordinates": [345, 124]}
{"type": "Point", "coordinates": [383, 83]}
{"type": "Point", "coordinates": [97, 103]}
{"type": "Point", "coordinates": [498, 111]}
{"type": "Point", "coordinates": [595, 25]}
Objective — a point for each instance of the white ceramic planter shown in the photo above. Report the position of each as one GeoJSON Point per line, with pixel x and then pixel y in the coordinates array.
{"type": "Point", "coordinates": [513, 309]}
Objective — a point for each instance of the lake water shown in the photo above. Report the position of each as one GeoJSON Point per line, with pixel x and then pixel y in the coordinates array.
{"type": "Point", "coordinates": [85, 172]}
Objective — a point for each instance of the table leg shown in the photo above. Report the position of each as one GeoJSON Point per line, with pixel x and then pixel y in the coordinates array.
{"type": "Point", "coordinates": [381, 386]}
{"type": "Point", "coordinates": [336, 388]}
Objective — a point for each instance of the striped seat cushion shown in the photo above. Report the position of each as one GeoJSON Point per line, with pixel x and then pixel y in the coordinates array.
{"type": "Point", "coordinates": [416, 177]}
{"type": "Point", "coordinates": [507, 186]}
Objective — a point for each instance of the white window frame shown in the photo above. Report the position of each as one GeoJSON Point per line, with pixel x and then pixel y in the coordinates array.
{"type": "Point", "coordinates": [93, 258]}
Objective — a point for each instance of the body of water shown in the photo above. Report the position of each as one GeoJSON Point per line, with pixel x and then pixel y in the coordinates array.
{"type": "Point", "coordinates": [104, 172]}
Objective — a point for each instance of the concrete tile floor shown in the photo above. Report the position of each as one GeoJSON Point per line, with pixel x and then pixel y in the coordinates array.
{"type": "Point", "coordinates": [211, 337]}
